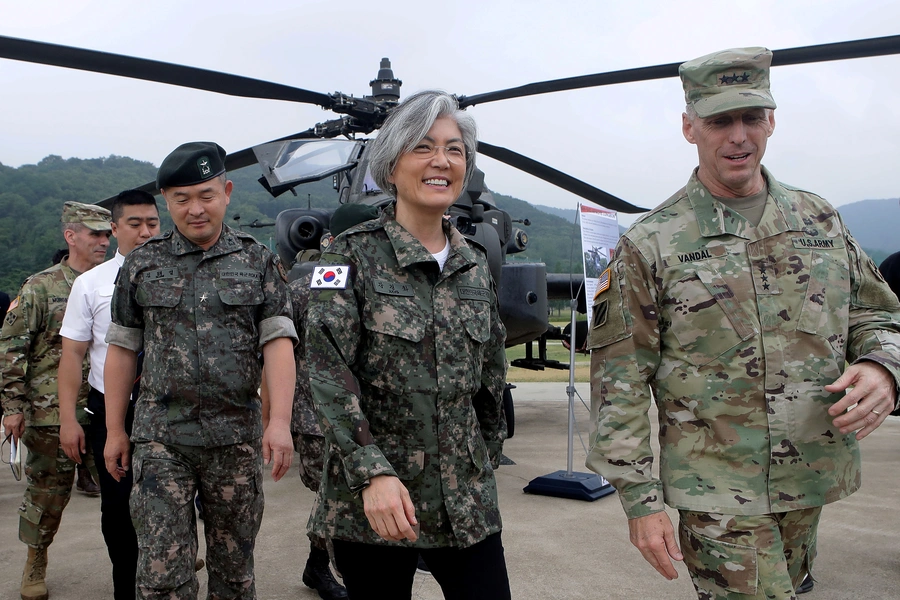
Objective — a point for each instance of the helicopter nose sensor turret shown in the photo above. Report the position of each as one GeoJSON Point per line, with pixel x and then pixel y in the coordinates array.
{"type": "Point", "coordinates": [386, 87]}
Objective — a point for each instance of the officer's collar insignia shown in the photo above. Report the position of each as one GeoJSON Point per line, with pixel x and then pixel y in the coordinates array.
{"type": "Point", "coordinates": [603, 282]}
{"type": "Point", "coordinates": [203, 165]}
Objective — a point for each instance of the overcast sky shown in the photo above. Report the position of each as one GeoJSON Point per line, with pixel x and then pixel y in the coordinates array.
{"type": "Point", "coordinates": [837, 123]}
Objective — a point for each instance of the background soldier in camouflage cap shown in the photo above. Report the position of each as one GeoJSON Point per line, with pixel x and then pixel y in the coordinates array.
{"type": "Point", "coordinates": [30, 348]}
{"type": "Point", "coordinates": [203, 302]}
{"type": "Point", "coordinates": [737, 303]}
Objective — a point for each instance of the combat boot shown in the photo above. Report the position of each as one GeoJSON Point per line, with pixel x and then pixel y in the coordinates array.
{"type": "Point", "coordinates": [317, 575]}
{"type": "Point", "coordinates": [33, 585]}
{"type": "Point", "coordinates": [85, 484]}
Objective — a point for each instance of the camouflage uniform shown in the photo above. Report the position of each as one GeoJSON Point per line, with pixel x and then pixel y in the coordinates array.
{"type": "Point", "coordinates": [31, 346]}
{"type": "Point", "coordinates": [736, 330]}
{"type": "Point", "coordinates": [201, 318]}
{"type": "Point", "coordinates": [308, 439]}
{"type": "Point", "coordinates": [407, 368]}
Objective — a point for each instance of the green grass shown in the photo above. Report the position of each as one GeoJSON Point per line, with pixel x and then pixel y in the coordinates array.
{"type": "Point", "coordinates": [555, 351]}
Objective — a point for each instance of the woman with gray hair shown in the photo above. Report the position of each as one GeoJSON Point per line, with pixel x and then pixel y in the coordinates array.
{"type": "Point", "coordinates": [407, 367]}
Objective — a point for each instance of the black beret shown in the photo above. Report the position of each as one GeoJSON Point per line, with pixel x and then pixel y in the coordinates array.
{"type": "Point", "coordinates": [348, 215]}
{"type": "Point", "coordinates": [190, 164]}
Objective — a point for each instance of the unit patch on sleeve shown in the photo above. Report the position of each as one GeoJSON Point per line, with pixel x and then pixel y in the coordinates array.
{"type": "Point", "coordinates": [329, 277]}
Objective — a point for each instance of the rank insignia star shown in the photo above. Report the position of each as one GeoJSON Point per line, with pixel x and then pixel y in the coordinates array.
{"type": "Point", "coordinates": [204, 297]}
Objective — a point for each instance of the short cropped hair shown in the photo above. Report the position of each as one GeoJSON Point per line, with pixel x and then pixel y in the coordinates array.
{"type": "Point", "coordinates": [692, 114]}
{"type": "Point", "coordinates": [130, 198]}
{"type": "Point", "coordinates": [408, 124]}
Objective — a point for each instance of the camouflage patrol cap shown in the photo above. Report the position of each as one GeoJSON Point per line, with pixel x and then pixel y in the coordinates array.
{"type": "Point", "coordinates": [190, 164]}
{"type": "Point", "coordinates": [95, 218]}
{"type": "Point", "coordinates": [728, 80]}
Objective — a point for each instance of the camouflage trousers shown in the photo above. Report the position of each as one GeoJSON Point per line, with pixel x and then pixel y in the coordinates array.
{"type": "Point", "coordinates": [50, 475]}
{"type": "Point", "coordinates": [311, 449]}
{"type": "Point", "coordinates": [739, 557]}
{"type": "Point", "coordinates": [228, 480]}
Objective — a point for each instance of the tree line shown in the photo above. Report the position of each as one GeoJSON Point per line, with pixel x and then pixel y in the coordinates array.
{"type": "Point", "coordinates": [32, 196]}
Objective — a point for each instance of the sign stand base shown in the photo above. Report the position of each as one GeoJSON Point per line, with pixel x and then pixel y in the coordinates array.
{"type": "Point", "coordinates": [576, 486]}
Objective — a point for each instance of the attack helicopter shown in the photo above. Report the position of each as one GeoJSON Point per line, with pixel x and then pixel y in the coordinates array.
{"type": "Point", "coordinates": [338, 148]}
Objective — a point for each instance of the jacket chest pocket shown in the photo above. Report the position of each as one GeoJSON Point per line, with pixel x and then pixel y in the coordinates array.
{"type": "Point", "coordinates": [158, 299]}
{"type": "Point", "coordinates": [393, 355]}
{"type": "Point", "coordinates": [825, 311]}
{"type": "Point", "coordinates": [706, 318]}
{"type": "Point", "coordinates": [240, 302]}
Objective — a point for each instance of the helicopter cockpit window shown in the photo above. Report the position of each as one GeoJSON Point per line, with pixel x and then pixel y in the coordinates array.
{"type": "Point", "coordinates": [293, 162]}
{"type": "Point", "coordinates": [369, 185]}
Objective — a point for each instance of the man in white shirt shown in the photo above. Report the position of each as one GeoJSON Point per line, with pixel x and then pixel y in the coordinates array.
{"type": "Point", "coordinates": [135, 219]}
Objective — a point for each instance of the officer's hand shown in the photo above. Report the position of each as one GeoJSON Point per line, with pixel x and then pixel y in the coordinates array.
{"type": "Point", "coordinates": [389, 509]}
{"type": "Point", "coordinates": [117, 454]}
{"type": "Point", "coordinates": [654, 536]}
{"type": "Point", "coordinates": [873, 396]}
{"type": "Point", "coordinates": [71, 438]}
{"type": "Point", "coordinates": [278, 448]}
{"type": "Point", "coordinates": [15, 425]}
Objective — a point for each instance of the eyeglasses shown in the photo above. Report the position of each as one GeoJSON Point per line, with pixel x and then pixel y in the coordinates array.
{"type": "Point", "coordinates": [456, 153]}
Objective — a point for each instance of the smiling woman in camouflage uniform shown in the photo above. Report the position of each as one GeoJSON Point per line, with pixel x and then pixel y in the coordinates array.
{"type": "Point", "coordinates": [407, 367]}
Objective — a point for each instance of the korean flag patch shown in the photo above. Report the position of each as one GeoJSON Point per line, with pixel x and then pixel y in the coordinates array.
{"type": "Point", "coordinates": [329, 277]}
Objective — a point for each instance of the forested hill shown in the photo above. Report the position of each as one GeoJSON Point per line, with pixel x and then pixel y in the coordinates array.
{"type": "Point", "coordinates": [31, 199]}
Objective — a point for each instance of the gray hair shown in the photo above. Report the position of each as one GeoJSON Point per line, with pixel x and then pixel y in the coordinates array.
{"type": "Point", "coordinates": [408, 124]}
{"type": "Point", "coordinates": [690, 112]}
{"type": "Point", "coordinates": [76, 227]}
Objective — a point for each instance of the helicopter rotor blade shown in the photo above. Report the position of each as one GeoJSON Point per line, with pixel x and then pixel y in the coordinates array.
{"type": "Point", "coordinates": [152, 70]}
{"type": "Point", "coordinates": [558, 178]}
{"type": "Point", "coordinates": [790, 56]}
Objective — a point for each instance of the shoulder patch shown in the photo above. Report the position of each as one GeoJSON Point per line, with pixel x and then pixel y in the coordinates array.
{"type": "Point", "coordinates": [602, 283]}
{"type": "Point", "coordinates": [276, 260]}
{"type": "Point", "coordinates": [329, 277]}
{"type": "Point", "coordinates": [13, 304]}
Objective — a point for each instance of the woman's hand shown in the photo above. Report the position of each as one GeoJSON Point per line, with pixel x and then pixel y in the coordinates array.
{"type": "Point", "coordinates": [389, 509]}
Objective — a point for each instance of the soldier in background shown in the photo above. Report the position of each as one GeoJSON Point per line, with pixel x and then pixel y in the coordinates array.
{"type": "Point", "coordinates": [202, 301]}
{"type": "Point", "coordinates": [84, 481]}
{"type": "Point", "coordinates": [4, 305]}
{"type": "Point", "coordinates": [737, 303]}
{"type": "Point", "coordinates": [30, 348]}
{"type": "Point", "coordinates": [309, 442]}
{"type": "Point", "coordinates": [890, 270]}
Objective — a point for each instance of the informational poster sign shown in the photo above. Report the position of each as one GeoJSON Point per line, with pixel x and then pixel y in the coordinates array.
{"type": "Point", "coordinates": [599, 236]}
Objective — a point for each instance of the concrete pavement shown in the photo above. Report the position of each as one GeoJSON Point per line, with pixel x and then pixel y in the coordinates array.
{"type": "Point", "coordinates": [555, 548]}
